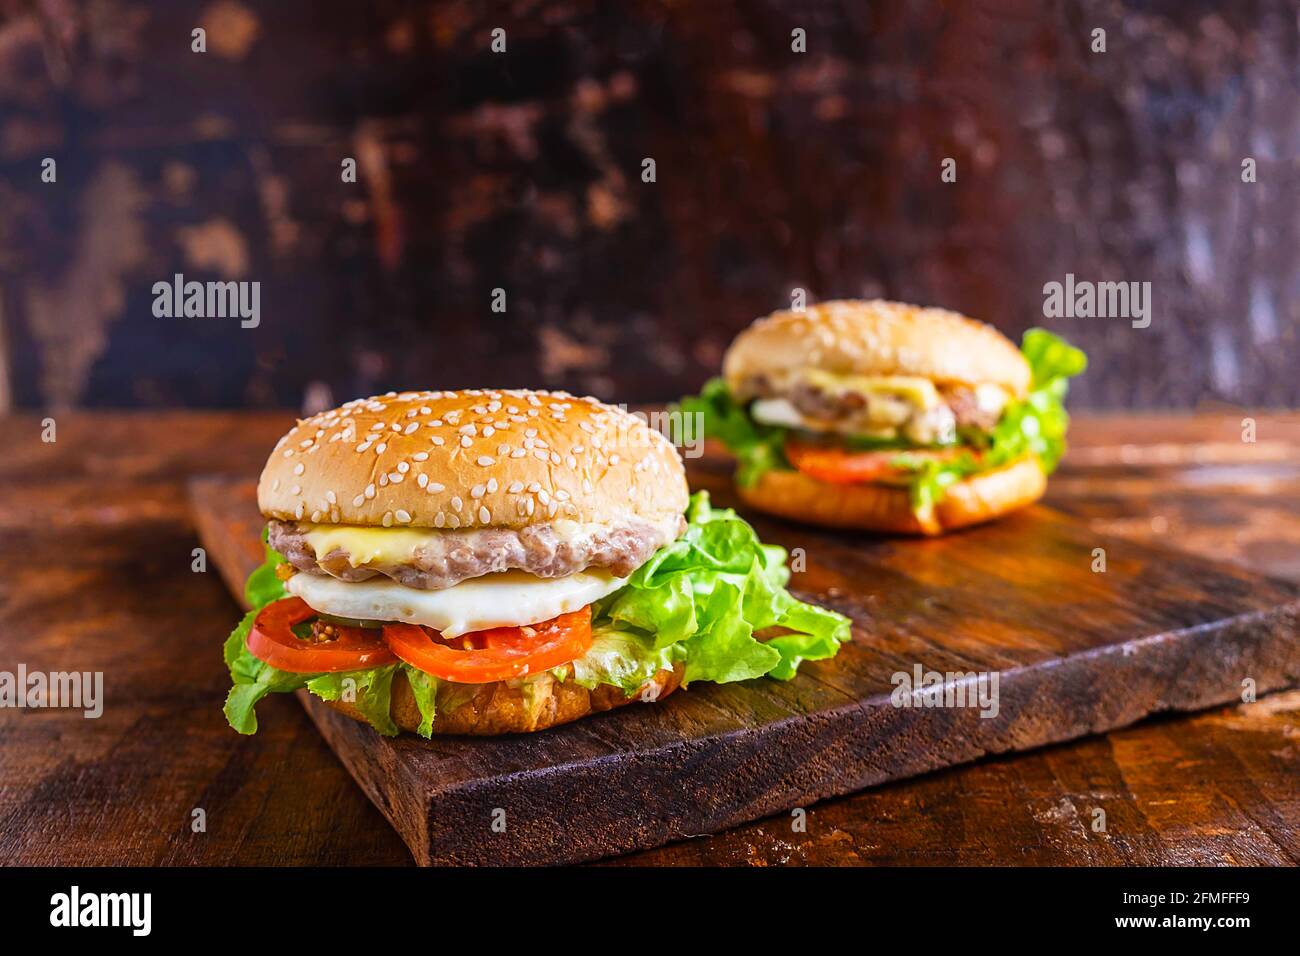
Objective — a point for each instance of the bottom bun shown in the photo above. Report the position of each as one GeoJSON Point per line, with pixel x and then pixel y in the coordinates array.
{"type": "Point", "coordinates": [873, 507]}
{"type": "Point", "coordinates": [499, 708]}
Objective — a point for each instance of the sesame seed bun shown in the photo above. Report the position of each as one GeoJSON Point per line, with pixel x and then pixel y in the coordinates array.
{"type": "Point", "coordinates": [888, 508]}
{"type": "Point", "coordinates": [852, 337]}
{"type": "Point", "coordinates": [499, 708]}
{"type": "Point", "coordinates": [479, 458]}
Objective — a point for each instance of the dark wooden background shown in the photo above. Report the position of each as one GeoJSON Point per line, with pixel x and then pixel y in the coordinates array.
{"type": "Point", "coordinates": [521, 170]}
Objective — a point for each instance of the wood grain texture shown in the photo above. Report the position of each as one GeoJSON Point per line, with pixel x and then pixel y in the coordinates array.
{"type": "Point", "coordinates": [1076, 652]}
{"type": "Point", "coordinates": [95, 549]}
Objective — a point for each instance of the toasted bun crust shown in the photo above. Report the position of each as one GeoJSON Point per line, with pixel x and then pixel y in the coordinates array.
{"type": "Point", "coordinates": [498, 708]}
{"type": "Point", "coordinates": [479, 458]}
{"type": "Point", "coordinates": [888, 508]}
{"type": "Point", "coordinates": [852, 337]}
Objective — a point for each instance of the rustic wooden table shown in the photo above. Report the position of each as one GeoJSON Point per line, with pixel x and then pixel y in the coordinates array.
{"type": "Point", "coordinates": [95, 574]}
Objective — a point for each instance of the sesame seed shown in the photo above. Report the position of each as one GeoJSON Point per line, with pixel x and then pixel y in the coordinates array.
{"type": "Point", "coordinates": [516, 487]}
{"type": "Point", "coordinates": [331, 497]}
{"type": "Point", "coordinates": [422, 479]}
{"type": "Point", "coordinates": [456, 502]}
{"type": "Point", "coordinates": [413, 427]}
{"type": "Point", "coordinates": [381, 448]}
{"type": "Point", "coordinates": [439, 520]}
{"type": "Point", "coordinates": [518, 453]}
{"type": "Point", "coordinates": [437, 440]}
{"type": "Point", "coordinates": [492, 486]}
{"type": "Point", "coordinates": [484, 515]}
{"type": "Point", "coordinates": [485, 460]}
{"type": "Point", "coordinates": [358, 501]}
{"type": "Point", "coordinates": [299, 468]}
{"type": "Point", "coordinates": [465, 441]}
{"type": "Point", "coordinates": [370, 490]}
{"type": "Point", "coordinates": [403, 467]}
{"type": "Point", "coordinates": [388, 519]}
{"type": "Point", "coordinates": [420, 456]}
{"type": "Point", "coordinates": [403, 516]}
{"type": "Point", "coordinates": [296, 490]}
{"type": "Point", "coordinates": [476, 491]}
{"type": "Point", "coordinates": [435, 487]}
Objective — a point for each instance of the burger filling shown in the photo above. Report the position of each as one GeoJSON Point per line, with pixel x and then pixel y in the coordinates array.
{"type": "Point", "coordinates": [914, 410]}
{"type": "Point", "coordinates": [431, 559]}
{"type": "Point", "coordinates": [345, 612]}
{"type": "Point", "coordinates": [900, 430]}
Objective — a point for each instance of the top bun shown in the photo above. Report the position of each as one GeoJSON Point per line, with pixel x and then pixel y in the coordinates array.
{"type": "Point", "coordinates": [853, 337]}
{"type": "Point", "coordinates": [478, 458]}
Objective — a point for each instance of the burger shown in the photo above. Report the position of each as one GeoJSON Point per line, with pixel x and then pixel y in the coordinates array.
{"type": "Point", "coordinates": [889, 417]}
{"type": "Point", "coordinates": [487, 562]}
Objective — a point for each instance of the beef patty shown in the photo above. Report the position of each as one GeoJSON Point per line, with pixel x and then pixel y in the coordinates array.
{"type": "Point", "coordinates": [449, 557]}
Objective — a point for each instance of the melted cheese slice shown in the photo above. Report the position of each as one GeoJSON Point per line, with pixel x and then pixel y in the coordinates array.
{"type": "Point", "coordinates": [504, 599]}
{"type": "Point", "coordinates": [367, 545]}
{"type": "Point", "coordinates": [378, 547]}
{"type": "Point", "coordinates": [915, 391]}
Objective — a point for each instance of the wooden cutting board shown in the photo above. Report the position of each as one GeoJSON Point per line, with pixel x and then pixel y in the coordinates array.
{"type": "Point", "coordinates": [1075, 651]}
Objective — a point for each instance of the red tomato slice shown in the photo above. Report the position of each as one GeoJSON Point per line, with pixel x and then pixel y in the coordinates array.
{"type": "Point", "coordinates": [272, 641]}
{"type": "Point", "coordinates": [842, 466]}
{"type": "Point", "coordinates": [501, 653]}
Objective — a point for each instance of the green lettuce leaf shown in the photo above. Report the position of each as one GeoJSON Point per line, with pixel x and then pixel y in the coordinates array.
{"type": "Point", "coordinates": [1035, 426]}
{"type": "Point", "coordinates": [711, 590]}
{"type": "Point", "coordinates": [371, 690]}
{"type": "Point", "coordinates": [620, 657]}
{"type": "Point", "coordinates": [263, 585]}
{"type": "Point", "coordinates": [253, 681]}
{"type": "Point", "coordinates": [757, 447]}
{"type": "Point", "coordinates": [424, 687]}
